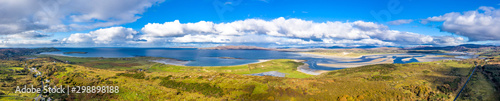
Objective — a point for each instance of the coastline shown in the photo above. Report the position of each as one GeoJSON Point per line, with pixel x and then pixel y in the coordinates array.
{"type": "Point", "coordinates": [341, 56]}
{"type": "Point", "coordinates": [350, 65]}
{"type": "Point", "coordinates": [183, 63]}
{"type": "Point", "coordinates": [305, 69]}
{"type": "Point", "coordinates": [171, 62]}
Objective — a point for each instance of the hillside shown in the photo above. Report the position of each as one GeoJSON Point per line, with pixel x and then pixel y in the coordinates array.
{"type": "Point", "coordinates": [438, 80]}
{"type": "Point", "coordinates": [140, 79]}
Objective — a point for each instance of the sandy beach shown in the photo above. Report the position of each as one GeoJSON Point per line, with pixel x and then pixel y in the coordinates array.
{"type": "Point", "coordinates": [349, 65]}
{"type": "Point", "coordinates": [349, 62]}
{"type": "Point", "coordinates": [171, 62]}
{"type": "Point", "coordinates": [183, 63]}
{"type": "Point", "coordinates": [305, 69]}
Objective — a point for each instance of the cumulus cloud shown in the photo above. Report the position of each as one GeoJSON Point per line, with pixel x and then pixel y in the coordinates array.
{"type": "Point", "coordinates": [279, 31]}
{"type": "Point", "coordinates": [290, 29]}
{"type": "Point", "coordinates": [27, 38]}
{"type": "Point", "coordinates": [27, 43]}
{"type": "Point", "coordinates": [108, 36]}
{"type": "Point", "coordinates": [479, 25]}
{"type": "Point", "coordinates": [176, 28]}
{"type": "Point", "coordinates": [400, 22]}
{"type": "Point", "coordinates": [27, 35]}
{"type": "Point", "coordinates": [64, 15]}
{"type": "Point", "coordinates": [374, 42]}
{"type": "Point", "coordinates": [238, 39]}
{"type": "Point", "coordinates": [448, 40]}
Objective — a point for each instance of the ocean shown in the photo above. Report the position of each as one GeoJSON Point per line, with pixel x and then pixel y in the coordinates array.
{"type": "Point", "coordinates": [200, 57]}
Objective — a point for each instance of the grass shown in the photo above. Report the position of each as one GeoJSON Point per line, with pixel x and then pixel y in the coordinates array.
{"type": "Point", "coordinates": [479, 89]}
{"type": "Point", "coordinates": [107, 63]}
{"type": "Point", "coordinates": [287, 66]}
{"type": "Point", "coordinates": [410, 81]}
{"type": "Point", "coordinates": [439, 80]}
{"type": "Point", "coordinates": [483, 82]}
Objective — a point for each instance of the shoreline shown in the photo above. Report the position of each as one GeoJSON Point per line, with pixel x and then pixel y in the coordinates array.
{"type": "Point", "coordinates": [171, 62]}
{"type": "Point", "coordinates": [305, 69]}
{"type": "Point", "coordinates": [351, 65]}
{"type": "Point", "coordinates": [183, 63]}
{"type": "Point", "coordinates": [337, 56]}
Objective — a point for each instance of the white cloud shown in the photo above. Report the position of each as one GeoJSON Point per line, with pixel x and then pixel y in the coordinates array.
{"type": "Point", "coordinates": [399, 22]}
{"type": "Point", "coordinates": [65, 15]}
{"type": "Point", "coordinates": [107, 36]}
{"type": "Point", "coordinates": [27, 43]}
{"type": "Point", "coordinates": [448, 40]}
{"type": "Point", "coordinates": [358, 42]}
{"type": "Point", "coordinates": [479, 25]}
{"type": "Point", "coordinates": [279, 31]}
{"type": "Point", "coordinates": [27, 35]}
{"type": "Point", "coordinates": [238, 39]}
{"type": "Point", "coordinates": [286, 28]}
{"type": "Point", "coordinates": [176, 28]}
{"type": "Point", "coordinates": [80, 38]}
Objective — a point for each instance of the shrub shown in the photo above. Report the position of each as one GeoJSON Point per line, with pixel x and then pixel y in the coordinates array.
{"type": "Point", "coordinates": [137, 75]}
{"type": "Point", "coordinates": [426, 71]}
{"type": "Point", "coordinates": [380, 78]}
{"type": "Point", "coordinates": [203, 88]}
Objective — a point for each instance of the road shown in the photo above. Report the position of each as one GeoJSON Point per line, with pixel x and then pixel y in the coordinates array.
{"type": "Point", "coordinates": [472, 73]}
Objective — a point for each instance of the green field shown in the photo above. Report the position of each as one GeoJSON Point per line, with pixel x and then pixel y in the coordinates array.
{"type": "Point", "coordinates": [281, 65]}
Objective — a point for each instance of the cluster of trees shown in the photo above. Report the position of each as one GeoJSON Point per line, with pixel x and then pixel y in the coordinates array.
{"type": "Point", "coordinates": [136, 75]}
{"type": "Point", "coordinates": [11, 77]}
{"type": "Point", "coordinates": [493, 72]}
{"type": "Point", "coordinates": [381, 68]}
{"type": "Point", "coordinates": [204, 88]}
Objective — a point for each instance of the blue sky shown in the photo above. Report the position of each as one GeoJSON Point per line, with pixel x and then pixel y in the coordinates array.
{"type": "Point", "coordinates": [316, 10]}
{"type": "Point", "coordinates": [64, 24]}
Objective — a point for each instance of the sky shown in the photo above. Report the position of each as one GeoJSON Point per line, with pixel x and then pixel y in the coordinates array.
{"type": "Point", "coordinates": [265, 23]}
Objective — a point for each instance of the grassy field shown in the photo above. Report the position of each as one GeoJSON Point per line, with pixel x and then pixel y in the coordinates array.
{"type": "Point", "coordinates": [439, 80]}
{"type": "Point", "coordinates": [106, 63]}
{"type": "Point", "coordinates": [281, 65]}
{"type": "Point", "coordinates": [484, 84]}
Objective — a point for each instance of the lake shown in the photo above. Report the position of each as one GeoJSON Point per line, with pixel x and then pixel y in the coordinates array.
{"type": "Point", "coordinates": [199, 57]}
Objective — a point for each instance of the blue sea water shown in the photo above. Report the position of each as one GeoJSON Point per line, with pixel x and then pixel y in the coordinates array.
{"type": "Point", "coordinates": [197, 57]}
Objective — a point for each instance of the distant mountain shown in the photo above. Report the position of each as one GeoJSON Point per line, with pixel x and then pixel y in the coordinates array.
{"type": "Point", "coordinates": [331, 47]}
{"type": "Point", "coordinates": [475, 46]}
{"type": "Point", "coordinates": [463, 47]}
{"type": "Point", "coordinates": [236, 48]}
{"type": "Point", "coordinates": [460, 48]}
